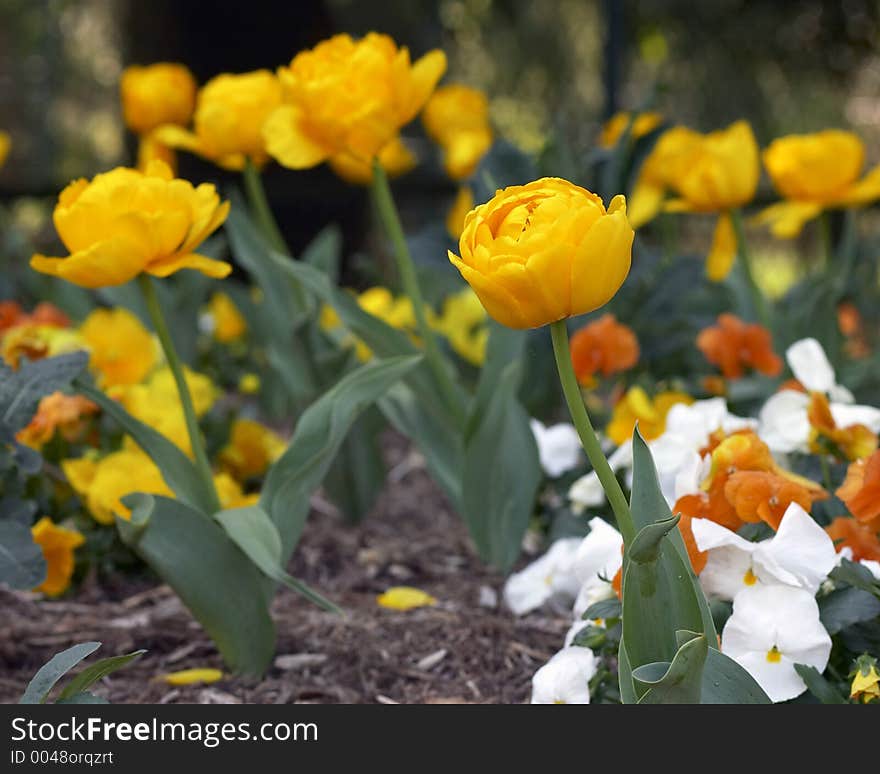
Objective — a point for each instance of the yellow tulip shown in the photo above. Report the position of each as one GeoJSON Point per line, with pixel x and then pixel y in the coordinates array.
{"type": "Point", "coordinates": [614, 127]}
{"type": "Point", "coordinates": [162, 93]}
{"type": "Point", "coordinates": [230, 113]}
{"type": "Point", "coordinates": [635, 406]}
{"type": "Point", "coordinates": [226, 321]}
{"type": "Point", "coordinates": [456, 117]}
{"type": "Point", "coordinates": [125, 222]}
{"type": "Point", "coordinates": [541, 252]}
{"type": "Point", "coordinates": [396, 159]}
{"type": "Point", "coordinates": [121, 349]}
{"type": "Point", "coordinates": [5, 144]}
{"type": "Point", "coordinates": [57, 544]}
{"type": "Point", "coordinates": [251, 449]}
{"type": "Point", "coordinates": [815, 172]}
{"type": "Point", "coordinates": [348, 96]}
{"type": "Point", "coordinates": [461, 206]}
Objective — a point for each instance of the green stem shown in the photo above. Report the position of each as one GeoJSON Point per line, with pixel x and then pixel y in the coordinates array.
{"type": "Point", "coordinates": [581, 420]}
{"type": "Point", "coordinates": [406, 269]}
{"type": "Point", "coordinates": [262, 212]}
{"type": "Point", "coordinates": [192, 425]}
{"type": "Point", "coordinates": [827, 239]}
{"type": "Point", "coordinates": [742, 248]}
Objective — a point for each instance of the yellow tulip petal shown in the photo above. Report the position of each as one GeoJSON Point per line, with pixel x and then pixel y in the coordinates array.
{"type": "Point", "coordinates": [405, 598]}
{"type": "Point", "coordinates": [111, 262]}
{"type": "Point", "coordinates": [207, 266]}
{"type": "Point", "coordinates": [497, 300]}
{"type": "Point", "coordinates": [425, 74]}
{"type": "Point", "coordinates": [722, 254]}
{"type": "Point", "coordinates": [173, 136]}
{"type": "Point", "coordinates": [602, 261]}
{"type": "Point", "coordinates": [192, 676]}
{"type": "Point", "coordinates": [463, 204]}
{"type": "Point", "coordinates": [645, 203]}
{"type": "Point", "coordinates": [866, 190]}
{"type": "Point", "coordinates": [787, 218]}
{"type": "Point", "coordinates": [288, 141]}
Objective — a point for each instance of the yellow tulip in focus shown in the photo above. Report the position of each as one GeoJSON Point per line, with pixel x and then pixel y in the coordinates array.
{"type": "Point", "coordinates": [457, 119]}
{"type": "Point", "coordinates": [396, 159]}
{"type": "Point", "coordinates": [251, 449]}
{"type": "Point", "coordinates": [650, 414]}
{"type": "Point", "coordinates": [125, 222]}
{"type": "Point", "coordinates": [463, 204]}
{"type": "Point", "coordinates": [228, 122]}
{"type": "Point", "coordinates": [162, 93]}
{"type": "Point", "coordinates": [227, 323]}
{"type": "Point", "coordinates": [121, 349]}
{"type": "Point", "coordinates": [541, 252]}
{"type": "Point", "coordinates": [5, 144]}
{"type": "Point", "coordinates": [816, 172]}
{"type": "Point", "coordinates": [347, 96]}
{"type": "Point", "coordinates": [57, 545]}
{"type": "Point", "coordinates": [614, 127]}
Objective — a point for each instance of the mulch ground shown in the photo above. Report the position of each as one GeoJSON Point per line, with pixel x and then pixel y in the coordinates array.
{"type": "Point", "coordinates": [463, 650]}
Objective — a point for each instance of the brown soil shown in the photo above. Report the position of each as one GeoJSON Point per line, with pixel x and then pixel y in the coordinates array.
{"type": "Point", "coordinates": [458, 651]}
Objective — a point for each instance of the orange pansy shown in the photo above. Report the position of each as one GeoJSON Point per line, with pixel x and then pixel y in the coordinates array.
{"type": "Point", "coordinates": [603, 346]}
{"type": "Point", "coordinates": [860, 490]}
{"type": "Point", "coordinates": [859, 538]}
{"type": "Point", "coordinates": [852, 443]}
{"type": "Point", "coordinates": [764, 496]}
{"type": "Point", "coordinates": [735, 346]}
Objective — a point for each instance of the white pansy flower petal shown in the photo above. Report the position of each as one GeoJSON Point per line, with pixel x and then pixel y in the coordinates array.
{"type": "Point", "coordinates": [587, 491]}
{"type": "Point", "coordinates": [593, 591]}
{"type": "Point", "coordinates": [840, 394]}
{"type": "Point", "coordinates": [783, 422]}
{"type": "Point", "coordinates": [846, 415]}
{"type": "Point", "coordinates": [772, 628]}
{"type": "Point", "coordinates": [544, 578]}
{"type": "Point", "coordinates": [559, 447]}
{"type": "Point", "coordinates": [599, 553]}
{"type": "Point", "coordinates": [728, 567]}
{"type": "Point", "coordinates": [800, 554]}
{"type": "Point", "coordinates": [810, 366]}
{"type": "Point", "coordinates": [565, 678]}
{"type": "Point", "coordinates": [692, 473]}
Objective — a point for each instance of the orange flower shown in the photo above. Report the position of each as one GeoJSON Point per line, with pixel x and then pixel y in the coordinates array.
{"type": "Point", "coordinates": [851, 325]}
{"type": "Point", "coordinates": [603, 346]}
{"type": "Point", "coordinates": [764, 496]}
{"type": "Point", "coordinates": [860, 539]}
{"type": "Point", "coordinates": [58, 545]}
{"type": "Point", "coordinates": [698, 558]}
{"type": "Point", "coordinates": [12, 315]}
{"type": "Point", "coordinates": [852, 443]}
{"type": "Point", "coordinates": [860, 490]}
{"type": "Point", "coordinates": [735, 346]}
{"type": "Point", "coordinates": [715, 385]}
{"type": "Point", "coordinates": [56, 412]}
{"type": "Point", "coordinates": [792, 384]}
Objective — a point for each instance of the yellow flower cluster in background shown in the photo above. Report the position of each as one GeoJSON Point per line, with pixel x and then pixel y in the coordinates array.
{"type": "Point", "coordinates": [639, 125]}
{"type": "Point", "coordinates": [252, 448]}
{"type": "Point", "coordinates": [121, 350]}
{"type": "Point", "coordinates": [225, 321]}
{"type": "Point", "coordinates": [456, 117]}
{"type": "Point", "coordinates": [650, 413]}
{"type": "Point", "coordinates": [5, 145]}
{"type": "Point", "coordinates": [58, 545]}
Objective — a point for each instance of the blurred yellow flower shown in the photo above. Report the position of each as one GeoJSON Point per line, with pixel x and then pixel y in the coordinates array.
{"type": "Point", "coordinates": [227, 323]}
{"type": "Point", "coordinates": [150, 149]}
{"type": "Point", "coordinates": [249, 384]}
{"type": "Point", "coordinates": [456, 117]}
{"type": "Point", "coordinates": [5, 144]}
{"type": "Point", "coordinates": [815, 172]}
{"type": "Point", "coordinates": [36, 341]}
{"type": "Point", "coordinates": [545, 251]}
{"type": "Point", "coordinates": [57, 544]}
{"type": "Point", "coordinates": [347, 96]}
{"type": "Point", "coordinates": [463, 323]}
{"type": "Point", "coordinates": [405, 598]}
{"type": "Point", "coordinates": [463, 204]}
{"type": "Point", "coordinates": [230, 113]}
{"type": "Point", "coordinates": [121, 349]}
{"type": "Point", "coordinates": [251, 449]}
{"type": "Point", "coordinates": [396, 159]}
{"type": "Point", "coordinates": [866, 682]}
{"type": "Point", "coordinates": [203, 676]}
{"type": "Point", "coordinates": [614, 127]}
{"type": "Point", "coordinates": [230, 493]}
{"type": "Point", "coordinates": [157, 94]}
{"type": "Point", "coordinates": [125, 222]}
{"type": "Point", "coordinates": [102, 483]}
{"type": "Point", "coordinates": [635, 406]}
{"type": "Point", "coordinates": [56, 413]}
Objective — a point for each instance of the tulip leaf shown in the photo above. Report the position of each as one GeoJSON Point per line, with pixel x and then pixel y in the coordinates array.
{"type": "Point", "coordinates": [501, 473]}
{"type": "Point", "coordinates": [726, 682]}
{"type": "Point", "coordinates": [324, 251]}
{"type": "Point", "coordinates": [645, 547]}
{"type": "Point", "coordinates": [679, 682]}
{"type": "Point", "coordinates": [844, 607]}
{"type": "Point", "coordinates": [252, 530]}
{"type": "Point", "coordinates": [319, 433]}
{"type": "Point", "coordinates": [178, 470]}
{"type": "Point", "coordinates": [22, 564]}
{"type": "Point", "coordinates": [219, 584]}
{"type": "Point", "coordinates": [818, 686]}
{"type": "Point", "coordinates": [95, 672]}
{"type": "Point", "coordinates": [53, 670]}
{"type": "Point", "coordinates": [83, 698]}
{"type": "Point", "coordinates": [624, 676]}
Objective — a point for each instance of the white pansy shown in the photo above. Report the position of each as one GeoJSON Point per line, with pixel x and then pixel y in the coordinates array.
{"type": "Point", "coordinates": [691, 474]}
{"type": "Point", "coordinates": [772, 628]}
{"type": "Point", "coordinates": [551, 575]}
{"type": "Point", "coordinates": [810, 366]}
{"type": "Point", "coordinates": [587, 491]}
{"type": "Point", "coordinates": [800, 555]}
{"type": "Point", "coordinates": [559, 447]}
{"type": "Point", "coordinates": [783, 423]}
{"type": "Point", "coordinates": [596, 562]}
{"type": "Point", "coordinates": [565, 678]}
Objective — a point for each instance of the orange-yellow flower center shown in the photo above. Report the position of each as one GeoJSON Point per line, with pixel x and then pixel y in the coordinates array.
{"type": "Point", "coordinates": [773, 655]}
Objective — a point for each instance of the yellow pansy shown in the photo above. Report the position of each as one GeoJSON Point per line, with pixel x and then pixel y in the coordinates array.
{"type": "Point", "coordinates": [614, 127]}
{"type": "Point", "coordinates": [36, 341]}
{"type": "Point", "coordinates": [249, 384]}
{"type": "Point", "coordinates": [463, 323]}
{"type": "Point", "coordinates": [251, 449]}
{"type": "Point", "coordinates": [227, 323]}
{"type": "Point", "coordinates": [637, 406]}
{"type": "Point", "coordinates": [157, 94]}
{"type": "Point", "coordinates": [57, 413]}
{"type": "Point", "coordinates": [125, 222]}
{"type": "Point", "coordinates": [461, 206]}
{"type": "Point", "coordinates": [816, 172]}
{"type": "Point", "coordinates": [396, 159]}
{"type": "Point", "coordinates": [57, 544]}
{"type": "Point", "coordinates": [347, 96]}
{"type": "Point", "coordinates": [120, 348]}
{"type": "Point", "coordinates": [230, 112]}
{"type": "Point", "coordinates": [5, 144]}
{"type": "Point", "coordinates": [866, 682]}
{"type": "Point", "coordinates": [541, 252]}
{"type": "Point", "coordinates": [456, 117]}
{"type": "Point", "coordinates": [405, 598]}
{"type": "Point", "coordinates": [230, 493]}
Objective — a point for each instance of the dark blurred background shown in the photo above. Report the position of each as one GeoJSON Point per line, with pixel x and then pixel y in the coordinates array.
{"type": "Point", "coordinates": [552, 68]}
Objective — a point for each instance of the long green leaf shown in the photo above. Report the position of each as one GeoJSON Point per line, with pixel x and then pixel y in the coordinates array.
{"type": "Point", "coordinates": [682, 681]}
{"type": "Point", "coordinates": [219, 584]}
{"type": "Point", "coordinates": [178, 470]}
{"type": "Point", "coordinates": [95, 672]}
{"type": "Point", "coordinates": [316, 440]}
{"type": "Point", "coordinates": [54, 669]}
{"type": "Point", "coordinates": [818, 685]}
